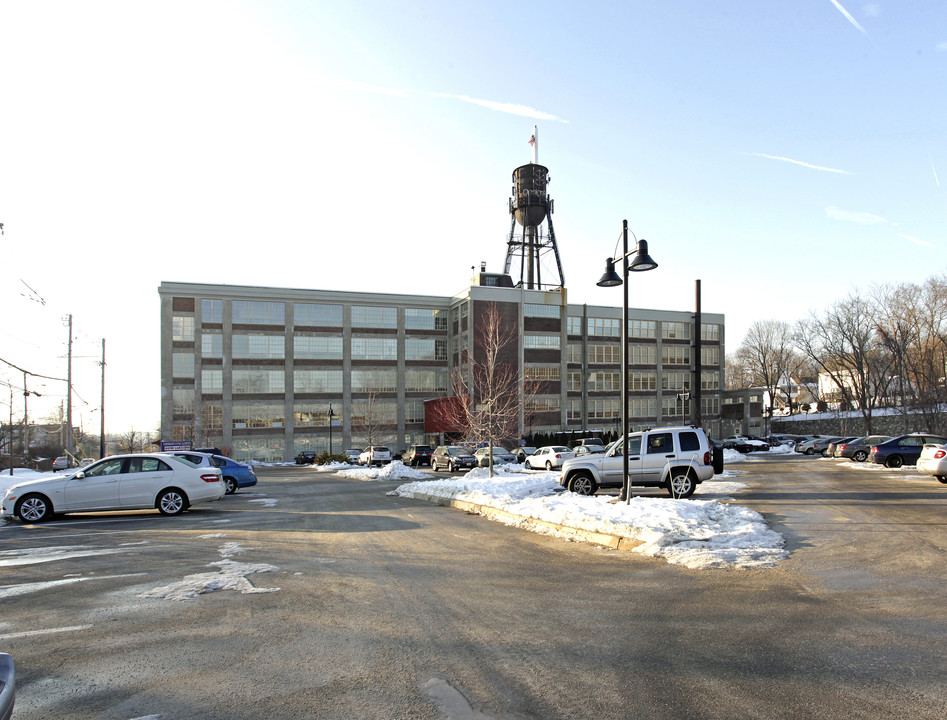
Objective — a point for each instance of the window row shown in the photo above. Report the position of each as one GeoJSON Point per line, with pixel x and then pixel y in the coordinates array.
{"type": "Point", "coordinates": [254, 381]}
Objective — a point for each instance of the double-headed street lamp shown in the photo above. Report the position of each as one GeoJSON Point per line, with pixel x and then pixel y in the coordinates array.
{"type": "Point", "coordinates": [331, 415]}
{"type": "Point", "coordinates": [641, 262]}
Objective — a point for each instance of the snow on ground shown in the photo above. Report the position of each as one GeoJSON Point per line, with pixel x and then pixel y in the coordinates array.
{"type": "Point", "coordinates": [696, 533]}
{"type": "Point", "coordinates": [395, 470]}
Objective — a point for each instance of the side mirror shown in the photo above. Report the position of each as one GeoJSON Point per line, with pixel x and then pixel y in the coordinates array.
{"type": "Point", "coordinates": [79, 475]}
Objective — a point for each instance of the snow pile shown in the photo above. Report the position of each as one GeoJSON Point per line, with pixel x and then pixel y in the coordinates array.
{"type": "Point", "coordinates": [698, 534]}
{"type": "Point", "coordinates": [395, 470]}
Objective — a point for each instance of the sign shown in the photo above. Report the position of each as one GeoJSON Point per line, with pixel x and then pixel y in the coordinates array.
{"type": "Point", "coordinates": [173, 445]}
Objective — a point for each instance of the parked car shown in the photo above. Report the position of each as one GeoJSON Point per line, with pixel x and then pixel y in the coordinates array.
{"type": "Point", "coordinates": [306, 457]}
{"type": "Point", "coordinates": [833, 446]}
{"type": "Point", "coordinates": [121, 482]}
{"type": "Point", "coordinates": [375, 455]}
{"type": "Point", "coordinates": [587, 441]}
{"type": "Point", "coordinates": [857, 450]}
{"type": "Point", "coordinates": [933, 461]}
{"type": "Point", "coordinates": [452, 457]}
{"type": "Point", "coordinates": [902, 450]}
{"type": "Point", "coordinates": [744, 445]}
{"type": "Point", "coordinates": [235, 474]}
{"type": "Point", "coordinates": [549, 457]}
{"type": "Point", "coordinates": [500, 456]}
{"type": "Point", "coordinates": [676, 458]}
{"type": "Point", "coordinates": [351, 456]}
{"type": "Point", "coordinates": [816, 446]}
{"type": "Point", "coordinates": [7, 686]}
{"type": "Point", "coordinates": [61, 463]}
{"type": "Point", "coordinates": [581, 450]}
{"type": "Point", "coordinates": [522, 452]}
{"type": "Point", "coordinates": [417, 455]}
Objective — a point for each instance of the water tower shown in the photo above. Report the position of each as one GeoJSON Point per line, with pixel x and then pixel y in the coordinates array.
{"type": "Point", "coordinates": [530, 206]}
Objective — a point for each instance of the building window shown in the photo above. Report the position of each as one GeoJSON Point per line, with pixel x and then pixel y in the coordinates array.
{"type": "Point", "coordinates": [676, 381]}
{"type": "Point", "coordinates": [182, 365]}
{"type": "Point", "coordinates": [676, 330]}
{"type": "Point", "coordinates": [646, 407]}
{"type": "Point", "coordinates": [710, 406]}
{"type": "Point", "coordinates": [574, 325]}
{"type": "Point", "coordinates": [262, 449]}
{"type": "Point", "coordinates": [374, 348]}
{"type": "Point", "coordinates": [542, 404]}
{"type": "Point", "coordinates": [212, 382]}
{"type": "Point", "coordinates": [374, 380]}
{"type": "Point", "coordinates": [642, 354]}
{"type": "Point", "coordinates": [368, 413]}
{"type": "Point", "coordinates": [432, 380]}
{"type": "Point", "coordinates": [317, 315]}
{"type": "Point", "coordinates": [604, 409]}
{"type": "Point", "coordinates": [257, 415]}
{"type": "Point", "coordinates": [710, 380]}
{"type": "Point", "coordinates": [541, 311]}
{"type": "Point", "coordinates": [414, 411]}
{"type": "Point", "coordinates": [604, 354]}
{"type": "Point", "coordinates": [676, 355]}
{"type": "Point", "coordinates": [425, 319]}
{"type": "Point", "coordinates": [604, 381]}
{"type": "Point", "coordinates": [212, 345]}
{"type": "Point", "coordinates": [643, 381]}
{"type": "Point", "coordinates": [425, 348]}
{"type": "Point", "coordinates": [312, 415]}
{"type": "Point", "coordinates": [641, 328]}
{"type": "Point", "coordinates": [212, 416]}
{"type": "Point", "coordinates": [609, 327]}
{"type": "Point", "coordinates": [258, 381]}
{"type": "Point", "coordinates": [710, 332]}
{"type": "Point", "coordinates": [212, 311]}
{"type": "Point", "coordinates": [541, 342]}
{"type": "Point", "coordinates": [182, 401]}
{"type": "Point", "coordinates": [258, 313]}
{"type": "Point", "coordinates": [710, 356]}
{"type": "Point", "coordinates": [259, 347]}
{"type": "Point", "coordinates": [317, 381]}
{"type": "Point", "coordinates": [370, 316]}
{"type": "Point", "coordinates": [542, 374]}
{"type": "Point", "coordinates": [182, 328]}
{"type": "Point", "coordinates": [317, 347]}
{"type": "Point", "coordinates": [671, 406]}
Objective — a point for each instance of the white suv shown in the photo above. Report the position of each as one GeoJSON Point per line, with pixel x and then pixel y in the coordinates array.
{"type": "Point", "coordinates": [375, 455]}
{"type": "Point", "coordinates": [676, 458]}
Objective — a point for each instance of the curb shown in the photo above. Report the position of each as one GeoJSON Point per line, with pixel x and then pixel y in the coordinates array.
{"type": "Point", "coordinates": [615, 542]}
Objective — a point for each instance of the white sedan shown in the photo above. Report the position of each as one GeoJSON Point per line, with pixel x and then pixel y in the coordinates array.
{"type": "Point", "coordinates": [120, 482]}
{"type": "Point", "coordinates": [933, 461]}
{"type": "Point", "coordinates": [549, 457]}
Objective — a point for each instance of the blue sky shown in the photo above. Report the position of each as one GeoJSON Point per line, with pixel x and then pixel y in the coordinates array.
{"type": "Point", "coordinates": [784, 153]}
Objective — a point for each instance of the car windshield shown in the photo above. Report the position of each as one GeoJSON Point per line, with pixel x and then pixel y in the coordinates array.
{"type": "Point", "coordinates": [457, 451]}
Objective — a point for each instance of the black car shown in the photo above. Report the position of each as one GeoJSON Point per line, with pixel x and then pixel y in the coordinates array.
{"type": "Point", "coordinates": [417, 455]}
{"type": "Point", "coordinates": [306, 457]}
{"type": "Point", "coordinates": [902, 450]}
{"type": "Point", "coordinates": [453, 458]}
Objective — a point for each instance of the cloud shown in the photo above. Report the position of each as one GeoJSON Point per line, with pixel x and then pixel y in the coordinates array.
{"type": "Point", "coordinates": [861, 218]}
{"type": "Point", "coordinates": [848, 16]}
{"type": "Point", "coordinates": [511, 108]}
{"type": "Point", "coordinates": [916, 241]}
{"type": "Point", "coordinates": [942, 46]}
{"type": "Point", "coordinates": [803, 164]}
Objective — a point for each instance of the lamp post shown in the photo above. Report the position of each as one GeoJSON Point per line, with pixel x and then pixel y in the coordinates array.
{"type": "Point", "coordinates": [683, 397]}
{"type": "Point", "coordinates": [331, 415]}
{"type": "Point", "coordinates": [642, 262]}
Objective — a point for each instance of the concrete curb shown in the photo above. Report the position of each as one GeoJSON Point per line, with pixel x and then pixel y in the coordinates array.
{"type": "Point", "coordinates": [616, 542]}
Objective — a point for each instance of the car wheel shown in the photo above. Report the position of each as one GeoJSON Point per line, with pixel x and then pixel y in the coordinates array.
{"type": "Point", "coordinates": [942, 478]}
{"type": "Point", "coordinates": [894, 461]}
{"type": "Point", "coordinates": [451, 467]}
{"type": "Point", "coordinates": [582, 484]}
{"type": "Point", "coordinates": [34, 509]}
{"type": "Point", "coordinates": [681, 484]}
{"type": "Point", "coordinates": [171, 502]}
{"type": "Point", "coordinates": [825, 453]}
{"type": "Point", "coordinates": [549, 464]}
{"type": "Point", "coordinates": [860, 456]}
{"type": "Point", "coordinates": [230, 485]}
{"type": "Point", "coordinates": [810, 451]}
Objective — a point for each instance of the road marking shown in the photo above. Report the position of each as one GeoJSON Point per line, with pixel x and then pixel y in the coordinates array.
{"type": "Point", "coordinates": [49, 631]}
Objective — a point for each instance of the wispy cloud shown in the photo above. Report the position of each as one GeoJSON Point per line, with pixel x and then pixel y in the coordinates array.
{"type": "Point", "coordinates": [848, 16]}
{"type": "Point", "coordinates": [934, 170]}
{"type": "Point", "coordinates": [916, 241]}
{"type": "Point", "coordinates": [942, 46]}
{"type": "Point", "coordinates": [803, 164]}
{"type": "Point", "coordinates": [861, 218]}
{"type": "Point", "coordinates": [511, 108]}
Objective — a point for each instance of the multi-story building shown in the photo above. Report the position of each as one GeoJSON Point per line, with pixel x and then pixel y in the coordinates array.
{"type": "Point", "coordinates": [268, 372]}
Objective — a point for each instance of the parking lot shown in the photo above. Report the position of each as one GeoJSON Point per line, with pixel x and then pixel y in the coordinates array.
{"type": "Point", "coordinates": [318, 596]}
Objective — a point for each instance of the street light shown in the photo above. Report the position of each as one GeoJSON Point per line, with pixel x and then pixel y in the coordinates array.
{"type": "Point", "coordinates": [683, 397]}
{"type": "Point", "coordinates": [642, 262]}
{"type": "Point", "coordinates": [331, 415]}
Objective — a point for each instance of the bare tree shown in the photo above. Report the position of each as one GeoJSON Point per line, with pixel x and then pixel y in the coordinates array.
{"type": "Point", "coordinates": [769, 357]}
{"type": "Point", "coordinates": [490, 395]}
{"type": "Point", "coordinates": [133, 441]}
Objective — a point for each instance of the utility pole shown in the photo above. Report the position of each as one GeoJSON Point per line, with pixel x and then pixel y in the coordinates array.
{"type": "Point", "coordinates": [102, 408]}
{"type": "Point", "coordinates": [70, 446]}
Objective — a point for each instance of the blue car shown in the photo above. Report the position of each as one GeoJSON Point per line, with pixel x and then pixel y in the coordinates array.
{"type": "Point", "coordinates": [903, 450]}
{"type": "Point", "coordinates": [235, 474]}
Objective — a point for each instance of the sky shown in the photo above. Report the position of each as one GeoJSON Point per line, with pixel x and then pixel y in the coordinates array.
{"type": "Point", "coordinates": [785, 154]}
